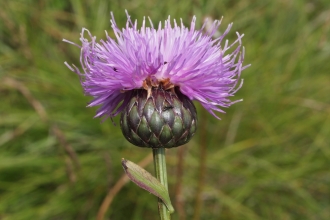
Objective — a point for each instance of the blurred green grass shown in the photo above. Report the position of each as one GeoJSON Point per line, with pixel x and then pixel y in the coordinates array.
{"type": "Point", "coordinates": [268, 158]}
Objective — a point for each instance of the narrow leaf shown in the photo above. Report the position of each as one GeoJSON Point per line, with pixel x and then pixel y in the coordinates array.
{"type": "Point", "coordinates": [146, 181]}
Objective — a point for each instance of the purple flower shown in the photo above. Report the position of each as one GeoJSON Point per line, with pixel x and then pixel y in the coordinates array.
{"type": "Point", "coordinates": [171, 55]}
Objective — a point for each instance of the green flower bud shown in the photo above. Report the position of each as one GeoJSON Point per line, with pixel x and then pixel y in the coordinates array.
{"type": "Point", "coordinates": [164, 119]}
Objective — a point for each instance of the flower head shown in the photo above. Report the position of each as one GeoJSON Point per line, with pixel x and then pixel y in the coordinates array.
{"type": "Point", "coordinates": [170, 56]}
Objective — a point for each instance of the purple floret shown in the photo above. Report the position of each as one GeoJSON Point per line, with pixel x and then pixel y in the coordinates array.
{"type": "Point", "coordinates": [191, 59]}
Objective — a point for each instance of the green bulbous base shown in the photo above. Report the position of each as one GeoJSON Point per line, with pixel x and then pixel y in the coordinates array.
{"type": "Point", "coordinates": [164, 120]}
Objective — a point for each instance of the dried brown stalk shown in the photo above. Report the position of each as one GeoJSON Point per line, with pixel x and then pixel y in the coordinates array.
{"type": "Point", "coordinates": [179, 201]}
{"type": "Point", "coordinates": [58, 133]}
{"type": "Point", "coordinates": [117, 187]}
{"type": "Point", "coordinates": [202, 167]}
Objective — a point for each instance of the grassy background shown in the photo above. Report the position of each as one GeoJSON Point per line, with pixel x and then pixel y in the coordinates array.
{"type": "Point", "coordinates": [268, 158]}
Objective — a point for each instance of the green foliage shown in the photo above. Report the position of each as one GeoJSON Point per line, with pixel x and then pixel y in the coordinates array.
{"type": "Point", "coordinates": [268, 158]}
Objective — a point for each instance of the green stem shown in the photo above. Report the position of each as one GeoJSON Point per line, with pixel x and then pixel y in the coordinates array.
{"type": "Point", "coordinates": [161, 174]}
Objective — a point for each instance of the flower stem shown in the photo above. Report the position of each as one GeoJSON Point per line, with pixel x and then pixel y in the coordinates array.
{"type": "Point", "coordinates": [161, 174]}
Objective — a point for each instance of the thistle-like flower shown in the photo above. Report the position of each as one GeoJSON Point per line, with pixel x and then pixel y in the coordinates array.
{"type": "Point", "coordinates": [151, 75]}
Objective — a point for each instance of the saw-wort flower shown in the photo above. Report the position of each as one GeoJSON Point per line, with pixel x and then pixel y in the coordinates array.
{"type": "Point", "coordinates": [167, 65]}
